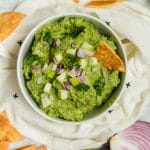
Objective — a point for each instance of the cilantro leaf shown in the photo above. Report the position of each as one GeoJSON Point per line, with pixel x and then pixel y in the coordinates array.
{"type": "Point", "coordinates": [71, 61]}
{"type": "Point", "coordinates": [47, 37]}
{"type": "Point", "coordinates": [82, 87]}
{"type": "Point", "coordinates": [77, 30]}
{"type": "Point", "coordinates": [98, 85]}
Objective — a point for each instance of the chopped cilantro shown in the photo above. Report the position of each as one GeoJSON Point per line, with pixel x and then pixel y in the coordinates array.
{"type": "Point", "coordinates": [71, 61]}
{"type": "Point", "coordinates": [98, 85]}
{"type": "Point", "coordinates": [77, 30]}
{"type": "Point", "coordinates": [82, 87]}
{"type": "Point", "coordinates": [47, 37]}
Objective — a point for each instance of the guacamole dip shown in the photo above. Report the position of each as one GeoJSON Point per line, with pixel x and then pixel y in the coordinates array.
{"type": "Point", "coordinates": [60, 72]}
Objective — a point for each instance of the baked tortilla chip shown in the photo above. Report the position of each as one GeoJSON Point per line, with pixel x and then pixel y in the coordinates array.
{"type": "Point", "coordinates": [43, 147]}
{"type": "Point", "coordinates": [102, 3]}
{"type": "Point", "coordinates": [108, 57]}
{"type": "Point", "coordinates": [31, 147]}
{"type": "Point", "coordinates": [76, 1]}
{"type": "Point", "coordinates": [8, 23]}
{"type": "Point", "coordinates": [7, 131]}
{"type": "Point", "coordinates": [4, 145]}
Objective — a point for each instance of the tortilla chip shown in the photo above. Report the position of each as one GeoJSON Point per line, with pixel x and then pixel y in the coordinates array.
{"type": "Point", "coordinates": [76, 1]}
{"type": "Point", "coordinates": [7, 131]}
{"type": "Point", "coordinates": [4, 145]}
{"type": "Point", "coordinates": [103, 3]}
{"type": "Point", "coordinates": [31, 147]}
{"type": "Point", "coordinates": [43, 147]}
{"type": "Point", "coordinates": [8, 23]}
{"type": "Point", "coordinates": [108, 57]}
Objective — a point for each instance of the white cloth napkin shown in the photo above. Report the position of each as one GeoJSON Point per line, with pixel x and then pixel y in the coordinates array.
{"type": "Point", "coordinates": [131, 22]}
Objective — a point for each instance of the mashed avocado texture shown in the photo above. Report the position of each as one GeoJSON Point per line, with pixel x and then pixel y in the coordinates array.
{"type": "Point", "coordinates": [60, 73]}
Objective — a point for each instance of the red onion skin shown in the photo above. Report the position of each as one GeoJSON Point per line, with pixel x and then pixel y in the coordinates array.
{"type": "Point", "coordinates": [138, 135]}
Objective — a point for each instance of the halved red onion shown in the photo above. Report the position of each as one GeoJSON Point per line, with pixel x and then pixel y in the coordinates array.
{"type": "Point", "coordinates": [136, 137]}
{"type": "Point", "coordinates": [67, 86]}
{"type": "Point", "coordinates": [36, 68]}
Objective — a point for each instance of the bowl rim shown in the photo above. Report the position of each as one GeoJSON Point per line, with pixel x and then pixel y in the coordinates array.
{"type": "Point", "coordinates": [28, 98]}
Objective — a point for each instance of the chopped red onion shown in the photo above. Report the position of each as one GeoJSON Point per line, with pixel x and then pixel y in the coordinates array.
{"type": "Point", "coordinates": [54, 67]}
{"type": "Point", "coordinates": [39, 80]}
{"type": "Point", "coordinates": [36, 68]}
{"type": "Point", "coordinates": [60, 68]}
{"type": "Point", "coordinates": [57, 42]}
{"type": "Point", "coordinates": [76, 71]}
{"type": "Point", "coordinates": [60, 71]}
{"type": "Point", "coordinates": [82, 77]}
{"type": "Point", "coordinates": [136, 137]}
{"type": "Point", "coordinates": [67, 86]}
{"type": "Point", "coordinates": [54, 60]}
{"type": "Point", "coordinates": [81, 53]}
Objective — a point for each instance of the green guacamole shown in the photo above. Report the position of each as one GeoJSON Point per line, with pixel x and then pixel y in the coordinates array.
{"type": "Point", "coordinates": [60, 73]}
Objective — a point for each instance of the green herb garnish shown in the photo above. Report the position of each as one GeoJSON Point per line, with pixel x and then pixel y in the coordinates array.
{"type": "Point", "coordinates": [71, 61]}
{"type": "Point", "coordinates": [76, 31]}
{"type": "Point", "coordinates": [98, 85]}
{"type": "Point", "coordinates": [30, 59]}
{"type": "Point", "coordinates": [82, 87]}
{"type": "Point", "coordinates": [47, 37]}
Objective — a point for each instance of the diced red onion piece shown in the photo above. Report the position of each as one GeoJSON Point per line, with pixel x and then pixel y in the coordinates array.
{"type": "Point", "coordinates": [82, 77]}
{"type": "Point", "coordinates": [36, 68]}
{"type": "Point", "coordinates": [54, 67]}
{"type": "Point", "coordinates": [77, 71]}
{"type": "Point", "coordinates": [57, 42]}
{"type": "Point", "coordinates": [54, 60]}
{"type": "Point", "coordinates": [136, 137]}
{"type": "Point", "coordinates": [81, 53]}
{"type": "Point", "coordinates": [60, 68]}
{"type": "Point", "coordinates": [88, 53]}
{"type": "Point", "coordinates": [67, 86]}
{"type": "Point", "coordinates": [61, 71]}
{"type": "Point", "coordinates": [39, 80]}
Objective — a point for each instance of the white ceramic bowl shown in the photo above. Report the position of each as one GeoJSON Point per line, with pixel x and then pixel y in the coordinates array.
{"type": "Point", "coordinates": [103, 28]}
